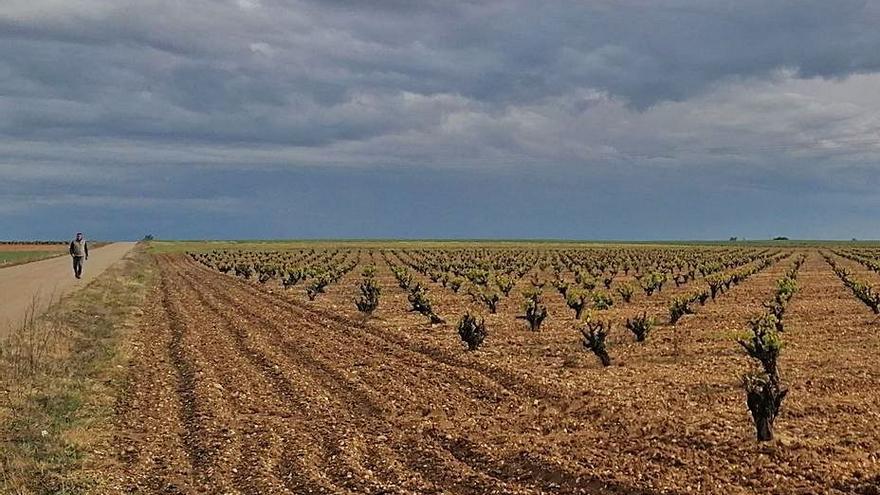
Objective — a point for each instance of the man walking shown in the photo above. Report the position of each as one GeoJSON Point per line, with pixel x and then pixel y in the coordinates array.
{"type": "Point", "coordinates": [79, 250]}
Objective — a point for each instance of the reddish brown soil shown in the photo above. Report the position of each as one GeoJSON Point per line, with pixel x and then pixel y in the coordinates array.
{"type": "Point", "coordinates": [241, 388]}
{"type": "Point", "coordinates": [32, 247]}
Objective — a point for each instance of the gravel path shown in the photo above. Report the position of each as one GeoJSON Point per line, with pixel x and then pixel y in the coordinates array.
{"type": "Point", "coordinates": [49, 279]}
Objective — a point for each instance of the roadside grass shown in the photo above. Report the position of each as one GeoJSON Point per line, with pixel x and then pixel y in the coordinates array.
{"type": "Point", "coordinates": [59, 376]}
{"type": "Point", "coordinates": [18, 254]}
{"type": "Point", "coordinates": [10, 258]}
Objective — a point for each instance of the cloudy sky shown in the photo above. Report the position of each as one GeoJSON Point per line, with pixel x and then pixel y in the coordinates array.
{"type": "Point", "coordinates": [608, 119]}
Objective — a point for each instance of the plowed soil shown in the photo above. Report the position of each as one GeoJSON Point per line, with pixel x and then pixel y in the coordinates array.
{"type": "Point", "coordinates": [12, 248]}
{"type": "Point", "coordinates": [237, 387]}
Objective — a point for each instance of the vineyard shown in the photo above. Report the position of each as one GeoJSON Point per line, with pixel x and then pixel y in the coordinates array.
{"type": "Point", "coordinates": [514, 369]}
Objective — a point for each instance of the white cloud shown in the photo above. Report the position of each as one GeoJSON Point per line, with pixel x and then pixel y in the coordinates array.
{"type": "Point", "coordinates": [92, 86]}
{"type": "Point", "coordinates": [261, 48]}
{"type": "Point", "coordinates": [248, 4]}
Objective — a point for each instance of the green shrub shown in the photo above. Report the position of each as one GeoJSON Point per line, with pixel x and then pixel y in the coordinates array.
{"type": "Point", "coordinates": [418, 299]}
{"type": "Point", "coordinates": [652, 282]}
{"type": "Point", "coordinates": [293, 278]}
{"type": "Point", "coordinates": [317, 287]}
{"type": "Point", "coordinates": [403, 276]}
{"type": "Point", "coordinates": [680, 279]}
{"type": "Point", "coordinates": [369, 298]}
{"type": "Point", "coordinates": [607, 281]}
{"type": "Point", "coordinates": [764, 393]}
{"type": "Point", "coordinates": [626, 291]}
{"type": "Point", "coordinates": [785, 289]}
{"type": "Point", "coordinates": [537, 282]}
{"type": "Point", "coordinates": [561, 286]}
{"type": "Point", "coordinates": [763, 344]}
{"type": "Point", "coordinates": [585, 280]}
{"type": "Point", "coordinates": [472, 331]}
{"type": "Point", "coordinates": [594, 333]}
{"type": "Point", "coordinates": [679, 307]}
{"type": "Point", "coordinates": [640, 326]}
{"type": "Point", "coordinates": [576, 299]}
{"type": "Point", "coordinates": [602, 300]}
{"type": "Point", "coordinates": [715, 282]}
{"type": "Point", "coordinates": [702, 295]}
{"type": "Point", "coordinates": [505, 284]}
{"type": "Point", "coordinates": [777, 309]}
{"type": "Point", "coordinates": [478, 277]}
{"type": "Point", "coordinates": [490, 298]}
{"type": "Point", "coordinates": [244, 270]}
{"type": "Point", "coordinates": [764, 398]}
{"type": "Point", "coordinates": [535, 310]}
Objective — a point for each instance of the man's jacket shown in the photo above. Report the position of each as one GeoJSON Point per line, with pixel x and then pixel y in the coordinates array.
{"type": "Point", "coordinates": [79, 248]}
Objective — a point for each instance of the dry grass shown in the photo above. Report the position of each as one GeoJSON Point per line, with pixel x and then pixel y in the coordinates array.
{"type": "Point", "coordinates": [11, 258]}
{"type": "Point", "coordinates": [58, 376]}
{"type": "Point", "coordinates": [31, 346]}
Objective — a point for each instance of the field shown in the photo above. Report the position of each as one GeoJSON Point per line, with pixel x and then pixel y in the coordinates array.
{"type": "Point", "coordinates": [14, 254]}
{"type": "Point", "coordinates": [253, 371]}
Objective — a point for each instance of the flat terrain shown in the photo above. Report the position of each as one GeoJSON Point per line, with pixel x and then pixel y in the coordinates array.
{"type": "Point", "coordinates": [14, 254]}
{"type": "Point", "coordinates": [37, 283]}
{"type": "Point", "coordinates": [240, 387]}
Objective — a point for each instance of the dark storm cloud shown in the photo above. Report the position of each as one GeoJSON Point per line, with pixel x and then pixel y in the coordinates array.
{"type": "Point", "coordinates": [270, 70]}
{"type": "Point", "coordinates": [149, 99]}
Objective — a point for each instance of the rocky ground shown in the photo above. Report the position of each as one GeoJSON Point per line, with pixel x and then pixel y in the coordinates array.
{"type": "Point", "coordinates": [236, 387]}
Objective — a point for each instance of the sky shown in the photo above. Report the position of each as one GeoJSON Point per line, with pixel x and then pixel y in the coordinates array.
{"type": "Point", "coordinates": [623, 119]}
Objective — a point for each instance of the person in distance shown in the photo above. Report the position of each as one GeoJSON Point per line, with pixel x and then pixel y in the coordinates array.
{"type": "Point", "coordinates": [79, 251]}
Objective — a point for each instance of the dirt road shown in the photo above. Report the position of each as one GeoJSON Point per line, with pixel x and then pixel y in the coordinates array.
{"type": "Point", "coordinates": [47, 279]}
